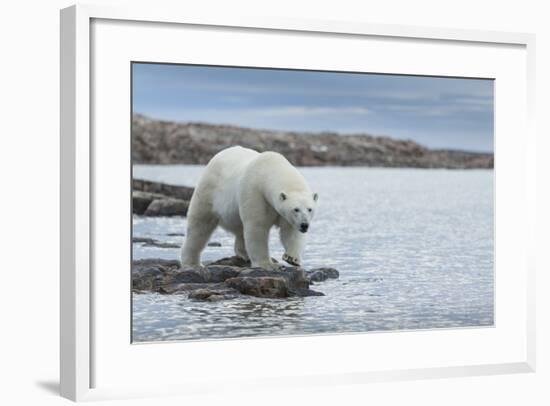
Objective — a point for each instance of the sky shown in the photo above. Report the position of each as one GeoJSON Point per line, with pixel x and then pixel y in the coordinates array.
{"type": "Point", "coordinates": [437, 112]}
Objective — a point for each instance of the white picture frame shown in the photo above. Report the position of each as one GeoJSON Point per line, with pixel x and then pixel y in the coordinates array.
{"type": "Point", "coordinates": [77, 346]}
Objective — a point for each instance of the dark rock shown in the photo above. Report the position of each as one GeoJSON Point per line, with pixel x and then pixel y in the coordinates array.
{"type": "Point", "coordinates": [150, 274]}
{"type": "Point", "coordinates": [219, 273]}
{"type": "Point", "coordinates": [322, 274]}
{"type": "Point", "coordinates": [140, 264]}
{"type": "Point", "coordinates": [214, 244]}
{"type": "Point", "coordinates": [142, 200]}
{"type": "Point", "coordinates": [234, 261]}
{"type": "Point", "coordinates": [171, 289]}
{"type": "Point", "coordinates": [163, 189]}
{"type": "Point", "coordinates": [175, 235]}
{"type": "Point", "coordinates": [188, 275]}
{"type": "Point", "coordinates": [150, 242]}
{"type": "Point", "coordinates": [167, 207]}
{"type": "Point", "coordinates": [231, 261]}
{"type": "Point", "coordinates": [301, 292]}
{"type": "Point", "coordinates": [219, 281]}
{"type": "Point", "coordinates": [144, 240]}
{"type": "Point", "coordinates": [185, 288]}
{"type": "Point", "coordinates": [264, 286]}
{"type": "Point", "coordinates": [160, 244]}
{"type": "Point", "coordinates": [159, 199]}
{"type": "Point", "coordinates": [213, 295]}
{"type": "Point", "coordinates": [295, 277]}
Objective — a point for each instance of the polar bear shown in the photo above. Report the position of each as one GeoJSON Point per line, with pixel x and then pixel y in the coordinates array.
{"type": "Point", "coordinates": [247, 193]}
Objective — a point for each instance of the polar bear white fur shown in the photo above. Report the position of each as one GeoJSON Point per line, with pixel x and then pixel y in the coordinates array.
{"type": "Point", "coordinates": [247, 193]}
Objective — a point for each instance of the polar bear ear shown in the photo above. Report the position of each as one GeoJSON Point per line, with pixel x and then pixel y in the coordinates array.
{"type": "Point", "coordinates": [282, 196]}
{"type": "Point", "coordinates": [315, 197]}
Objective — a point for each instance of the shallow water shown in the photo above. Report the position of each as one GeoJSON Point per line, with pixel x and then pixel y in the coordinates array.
{"type": "Point", "coordinates": [414, 249]}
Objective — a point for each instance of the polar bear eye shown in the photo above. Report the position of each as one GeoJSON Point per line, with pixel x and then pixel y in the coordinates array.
{"type": "Point", "coordinates": [309, 210]}
{"type": "Point", "coordinates": [296, 210]}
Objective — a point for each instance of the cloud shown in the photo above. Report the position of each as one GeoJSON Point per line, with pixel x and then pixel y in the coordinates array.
{"type": "Point", "coordinates": [439, 110]}
{"type": "Point", "coordinates": [294, 111]}
{"type": "Point", "coordinates": [436, 111]}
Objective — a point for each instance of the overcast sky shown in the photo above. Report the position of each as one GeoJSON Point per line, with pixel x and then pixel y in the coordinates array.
{"type": "Point", "coordinates": [436, 112]}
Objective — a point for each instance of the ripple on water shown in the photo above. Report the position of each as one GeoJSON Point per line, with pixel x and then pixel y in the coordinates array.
{"type": "Point", "coordinates": [414, 249]}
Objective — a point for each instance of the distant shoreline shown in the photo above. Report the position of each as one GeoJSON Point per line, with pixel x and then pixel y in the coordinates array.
{"type": "Point", "coordinates": [161, 142]}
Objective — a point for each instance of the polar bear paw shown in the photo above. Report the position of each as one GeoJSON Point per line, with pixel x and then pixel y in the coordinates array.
{"type": "Point", "coordinates": [291, 260]}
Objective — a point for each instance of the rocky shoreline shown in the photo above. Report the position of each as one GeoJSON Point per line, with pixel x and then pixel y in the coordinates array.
{"type": "Point", "coordinates": [165, 142]}
{"type": "Point", "coordinates": [225, 279]}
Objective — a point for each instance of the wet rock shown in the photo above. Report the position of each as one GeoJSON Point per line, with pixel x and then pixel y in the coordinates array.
{"type": "Point", "coordinates": [150, 242]}
{"type": "Point", "coordinates": [167, 207]}
{"type": "Point", "coordinates": [159, 244]}
{"type": "Point", "coordinates": [301, 292]}
{"type": "Point", "coordinates": [322, 274]}
{"type": "Point", "coordinates": [151, 274]}
{"type": "Point", "coordinates": [234, 261]}
{"type": "Point", "coordinates": [159, 199]}
{"type": "Point", "coordinates": [219, 273]}
{"type": "Point", "coordinates": [143, 240]}
{"type": "Point", "coordinates": [264, 286]}
{"type": "Point", "coordinates": [219, 281]}
{"type": "Point", "coordinates": [188, 275]}
{"type": "Point", "coordinates": [185, 288]}
{"type": "Point", "coordinates": [169, 264]}
{"type": "Point", "coordinates": [295, 277]}
{"type": "Point", "coordinates": [172, 289]}
{"type": "Point", "coordinates": [142, 200]}
{"type": "Point", "coordinates": [213, 295]}
{"type": "Point", "coordinates": [231, 261]}
{"type": "Point", "coordinates": [163, 189]}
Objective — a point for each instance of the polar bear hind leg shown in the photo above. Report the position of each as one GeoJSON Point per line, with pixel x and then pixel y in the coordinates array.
{"type": "Point", "coordinates": [240, 247]}
{"type": "Point", "coordinates": [199, 230]}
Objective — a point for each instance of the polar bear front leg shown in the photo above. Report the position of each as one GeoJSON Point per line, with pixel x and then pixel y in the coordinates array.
{"type": "Point", "coordinates": [293, 242]}
{"type": "Point", "coordinates": [256, 238]}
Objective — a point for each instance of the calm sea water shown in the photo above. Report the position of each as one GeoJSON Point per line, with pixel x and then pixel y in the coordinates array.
{"type": "Point", "coordinates": [414, 249]}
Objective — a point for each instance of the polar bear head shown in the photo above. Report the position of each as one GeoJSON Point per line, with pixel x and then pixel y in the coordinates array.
{"type": "Point", "coordinates": [298, 208]}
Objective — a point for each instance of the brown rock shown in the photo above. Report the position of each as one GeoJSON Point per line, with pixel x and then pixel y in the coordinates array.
{"type": "Point", "coordinates": [265, 286]}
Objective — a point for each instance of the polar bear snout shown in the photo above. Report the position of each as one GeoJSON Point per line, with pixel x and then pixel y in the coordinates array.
{"type": "Point", "coordinates": [304, 227]}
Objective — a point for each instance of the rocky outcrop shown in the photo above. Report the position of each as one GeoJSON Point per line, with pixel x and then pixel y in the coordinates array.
{"type": "Point", "coordinates": [225, 279]}
{"type": "Point", "coordinates": [159, 199]}
{"type": "Point", "coordinates": [163, 142]}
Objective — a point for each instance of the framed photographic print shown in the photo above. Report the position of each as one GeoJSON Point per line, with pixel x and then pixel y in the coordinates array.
{"type": "Point", "coordinates": [266, 202]}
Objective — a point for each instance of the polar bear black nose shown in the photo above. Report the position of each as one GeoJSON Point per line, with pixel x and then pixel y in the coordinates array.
{"type": "Point", "coordinates": [304, 227]}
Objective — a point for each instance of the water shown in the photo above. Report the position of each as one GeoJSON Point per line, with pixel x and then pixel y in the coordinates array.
{"type": "Point", "coordinates": [414, 249]}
